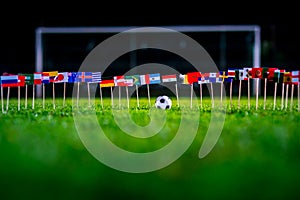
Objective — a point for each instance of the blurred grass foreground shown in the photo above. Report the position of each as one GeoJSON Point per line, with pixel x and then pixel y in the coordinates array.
{"type": "Point", "coordinates": [256, 157]}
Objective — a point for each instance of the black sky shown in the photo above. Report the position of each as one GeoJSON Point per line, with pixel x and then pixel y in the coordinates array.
{"type": "Point", "coordinates": [279, 23]}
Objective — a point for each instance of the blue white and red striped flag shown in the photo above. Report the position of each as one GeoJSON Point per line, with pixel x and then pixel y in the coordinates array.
{"type": "Point", "coordinates": [45, 77]}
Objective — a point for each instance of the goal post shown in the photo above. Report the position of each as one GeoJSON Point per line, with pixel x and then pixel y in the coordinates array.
{"type": "Point", "coordinates": [42, 31]}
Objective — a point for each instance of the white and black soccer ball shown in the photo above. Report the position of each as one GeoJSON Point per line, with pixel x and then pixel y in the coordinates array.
{"type": "Point", "coordinates": [163, 102]}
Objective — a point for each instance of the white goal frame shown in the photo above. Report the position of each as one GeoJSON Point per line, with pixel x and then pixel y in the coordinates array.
{"type": "Point", "coordinates": [82, 30]}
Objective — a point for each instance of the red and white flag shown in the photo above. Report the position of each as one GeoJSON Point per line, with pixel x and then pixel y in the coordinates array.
{"type": "Point", "coordinates": [61, 77]}
{"type": "Point", "coordinates": [145, 79]}
{"type": "Point", "coordinates": [169, 78]}
{"type": "Point", "coordinates": [122, 81]}
{"type": "Point", "coordinates": [295, 77]}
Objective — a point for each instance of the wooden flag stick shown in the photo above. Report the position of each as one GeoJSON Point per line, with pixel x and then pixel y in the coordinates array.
{"type": "Point", "coordinates": [282, 96]}
{"type": "Point", "coordinates": [26, 88]}
{"type": "Point", "coordinates": [201, 106]}
{"type": "Point", "coordinates": [177, 96]}
{"type": "Point", "coordinates": [212, 96]}
{"type": "Point", "coordinates": [89, 93]}
{"type": "Point", "coordinates": [19, 98]}
{"type": "Point", "coordinates": [191, 96]}
{"type": "Point", "coordinates": [33, 95]}
{"type": "Point", "coordinates": [137, 96]}
{"type": "Point", "coordinates": [275, 91]}
{"type": "Point", "coordinates": [77, 100]}
{"type": "Point", "coordinates": [221, 104]}
{"type": "Point", "coordinates": [292, 97]}
{"type": "Point", "coordinates": [127, 96]}
{"type": "Point", "coordinates": [256, 93]}
{"type": "Point", "coordinates": [101, 100]}
{"type": "Point", "coordinates": [298, 97]}
{"type": "Point", "coordinates": [148, 90]}
{"type": "Point", "coordinates": [230, 94]}
{"type": "Point", "coordinates": [112, 97]}
{"type": "Point", "coordinates": [248, 94]}
{"type": "Point", "coordinates": [2, 103]}
{"type": "Point", "coordinates": [286, 96]}
{"type": "Point", "coordinates": [240, 90]}
{"type": "Point", "coordinates": [119, 97]}
{"type": "Point", "coordinates": [265, 94]}
{"type": "Point", "coordinates": [43, 95]}
{"type": "Point", "coordinates": [7, 100]}
{"type": "Point", "coordinates": [53, 95]}
{"type": "Point", "coordinates": [64, 98]}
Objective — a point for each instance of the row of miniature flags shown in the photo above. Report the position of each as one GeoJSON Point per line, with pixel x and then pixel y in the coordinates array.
{"type": "Point", "coordinates": [271, 74]}
{"type": "Point", "coordinates": [49, 77]}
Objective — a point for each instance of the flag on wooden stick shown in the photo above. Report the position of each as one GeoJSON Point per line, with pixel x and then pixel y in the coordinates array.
{"type": "Point", "coordinates": [108, 83]}
{"type": "Point", "coordinates": [171, 78]}
{"type": "Point", "coordinates": [136, 82]}
{"type": "Point", "coordinates": [29, 80]}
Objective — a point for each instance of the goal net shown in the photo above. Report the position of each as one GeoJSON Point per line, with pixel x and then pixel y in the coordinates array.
{"type": "Point", "coordinates": [65, 48]}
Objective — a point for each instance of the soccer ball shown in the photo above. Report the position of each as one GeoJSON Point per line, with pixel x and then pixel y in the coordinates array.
{"type": "Point", "coordinates": [163, 102]}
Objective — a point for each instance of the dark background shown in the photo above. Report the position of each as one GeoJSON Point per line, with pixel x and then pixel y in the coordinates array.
{"type": "Point", "coordinates": [279, 24]}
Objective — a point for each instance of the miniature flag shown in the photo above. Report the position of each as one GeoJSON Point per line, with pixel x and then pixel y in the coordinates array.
{"type": "Point", "coordinates": [295, 77]}
{"type": "Point", "coordinates": [265, 72]}
{"type": "Point", "coordinates": [61, 77]}
{"type": "Point", "coordinates": [96, 77]}
{"type": "Point", "coordinates": [169, 78]}
{"type": "Point", "coordinates": [231, 73]}
{"type": "Point", "coordinates": [183, 79]}
{"type": "Point", "coordinates": [219, 80]}
{"type": "Point", "coordinates": [192, 77]}
{"type": "Point", "coordinates": [202, 80]}
{"type": "Point", "coordinates": [154, 78]}
{"type": "Point", "coordinates": [135, 79]}
{"type": "Point", "coordinates": [12, 81]}
{"type": "Point", "coordinates": [122, 81]}
{"type": "Point", "coordinates": [213, 78]}
{"type": "Point", "coordinates": [257, 72]}
{"type": "Point", "coordinates": [37, 78]}
{"type": "Point", "coordinates": [107, 83]}
{"type": "Point", "coordinates": [84, 77]}
{"type": "Point", "coordinates": [51, 76]}
{"type": "Point", "coordinates": [205, 78]}
{"type": "Point", "coordinates": [238, 74]}
{"type": "Point", "coordinates": [45, 77]}
{"type": "Point", "coordinates": [271, 72]}
{"type": "Point", "coordinates": [287, 77]}
{"type": "Point", "coordinates": [145, 79]}
{"type": "Point", "coordinates": [246, 74]}
{"type": "Point", "coordinates": [223, 75]}
{"type": "Point", "coordinates": [72, 77]}
{"type": "Point", "coordinates": [29, 79]}
{"type": "Point", "coordinates": [278, 75]}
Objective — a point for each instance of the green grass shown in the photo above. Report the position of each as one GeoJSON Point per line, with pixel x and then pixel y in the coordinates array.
{"type": "Point", "coordinates": [256, 156]}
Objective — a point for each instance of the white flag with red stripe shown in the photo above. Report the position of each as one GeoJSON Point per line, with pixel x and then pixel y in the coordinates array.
{"type": "Point", "coordinates": [169, 78]}
{"type": "Point", "coordinates": [61, 77]}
